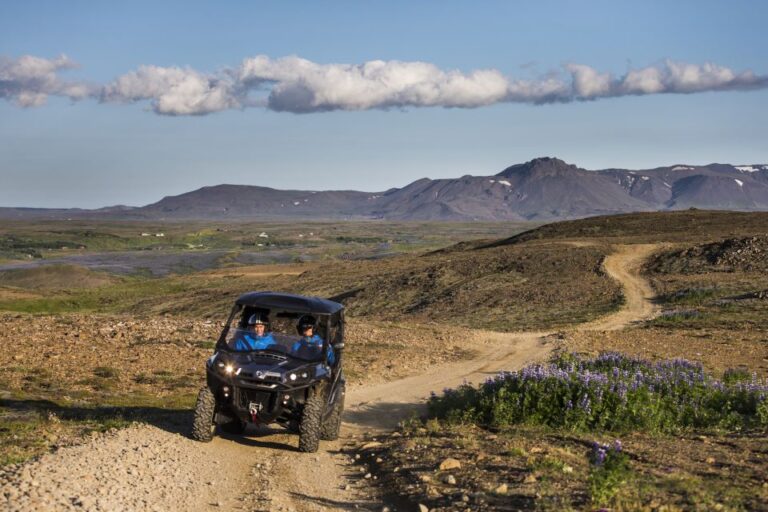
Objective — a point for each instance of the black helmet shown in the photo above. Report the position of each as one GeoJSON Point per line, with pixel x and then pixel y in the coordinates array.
{"type": "Point", "coordinates": [258, 318]}
{"type": "Point", "coordinates": [304, 322]}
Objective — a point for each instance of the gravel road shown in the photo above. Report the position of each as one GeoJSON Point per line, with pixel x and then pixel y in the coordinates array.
{"type": "Point", "coordinates": [146, 468]}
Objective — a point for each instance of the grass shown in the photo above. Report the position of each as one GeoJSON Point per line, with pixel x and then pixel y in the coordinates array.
{"type": "Point", "coordinates": [31, 426]}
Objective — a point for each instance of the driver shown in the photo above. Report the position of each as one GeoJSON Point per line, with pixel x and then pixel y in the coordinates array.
{"type": "Point", "coordinates": [310, 343]}
{"type": "Point", "coordinates": [257, 337]}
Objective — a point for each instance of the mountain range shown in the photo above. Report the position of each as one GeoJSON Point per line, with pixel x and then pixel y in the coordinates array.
{"type": "Point", "coordinates": [539, 190]}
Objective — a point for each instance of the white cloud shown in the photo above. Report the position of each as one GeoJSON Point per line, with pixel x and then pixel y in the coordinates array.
{"type": "Point", "coordinates": [293, 84]}
{"type": "Point", "coordinates": [28, 80]}
{"type": "Point", "coordinates": [174, 91]}
{"type": "Point", "coordinates": [299, 85]}
{"type": "Point", "coordinates": [588, 83]}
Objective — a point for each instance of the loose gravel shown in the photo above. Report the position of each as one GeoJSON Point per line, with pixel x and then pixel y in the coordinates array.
{"type": "Point", "coordinates": [141, 468]}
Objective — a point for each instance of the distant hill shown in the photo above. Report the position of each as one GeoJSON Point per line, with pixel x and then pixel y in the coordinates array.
{"type": "Point", "coordinates": [542, 189]}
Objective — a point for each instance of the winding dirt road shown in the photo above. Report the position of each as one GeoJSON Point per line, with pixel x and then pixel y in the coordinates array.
{"type": "Point", "coordinates": [152, 468]}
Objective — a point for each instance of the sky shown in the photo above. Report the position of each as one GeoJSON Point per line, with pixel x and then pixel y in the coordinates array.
{"type": "Point", "coordinates": [105, 103]}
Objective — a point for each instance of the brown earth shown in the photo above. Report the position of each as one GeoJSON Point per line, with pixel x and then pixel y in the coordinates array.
{"type": "Point", "coordinates": [287, 482]}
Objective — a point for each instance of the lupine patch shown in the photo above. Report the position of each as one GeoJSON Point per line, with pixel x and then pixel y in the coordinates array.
{"type": "Point", "coordinates": [609, 392]}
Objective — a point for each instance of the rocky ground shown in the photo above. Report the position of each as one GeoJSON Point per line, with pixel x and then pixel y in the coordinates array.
{"type": "Point", "coordinates": [444, 468]}
{"type": "Point", "coordinates": [745, 254]}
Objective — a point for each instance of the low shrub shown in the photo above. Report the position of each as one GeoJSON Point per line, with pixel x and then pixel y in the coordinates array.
{"type": "Point", "coordinates": [608, 472]}
{"type": "Point", "coordinates": [105, 372]}
{"type": "Point", "coordinates": [610, 392]}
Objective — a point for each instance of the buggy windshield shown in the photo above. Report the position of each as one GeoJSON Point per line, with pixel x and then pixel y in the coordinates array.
{"type": "Point", "coordinates": [246, 340]}
{"type": "Point", "coordinates": [278, 335]}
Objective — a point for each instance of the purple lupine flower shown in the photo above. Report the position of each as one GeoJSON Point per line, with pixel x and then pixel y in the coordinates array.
{"type": "Point", "coordinates": [599, 453]}
{"type": "Point", "coordinates": [617, 445]}
{"type": "Point", "coordinates": [585, 404]}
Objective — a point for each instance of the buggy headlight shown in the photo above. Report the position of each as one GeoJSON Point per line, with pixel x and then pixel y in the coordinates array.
{"type": "Point", "coordinates": [226, 368]}
{"type": "Point", "coordinates": [298, 376]}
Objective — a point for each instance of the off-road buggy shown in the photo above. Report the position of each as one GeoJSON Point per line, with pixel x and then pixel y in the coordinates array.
{"type": "Point", "coordinates": [283, 383]}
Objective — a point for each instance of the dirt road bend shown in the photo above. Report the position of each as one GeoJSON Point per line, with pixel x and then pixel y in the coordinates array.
{"type": "Point", "coordinates": [153, 468]}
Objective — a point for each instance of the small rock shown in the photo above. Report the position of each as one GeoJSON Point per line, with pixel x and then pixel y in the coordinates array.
{"type": "Point", "coordinates": [347, 487]}
{"type": "Point", "coordinates": [372, 444]}
{"type": "Point", "coordinates": [449, 463]}
{"type": "Point", "coordinates": [567, 469]}
{"type": "Point", "coordinates": [530, 479]}
{"type": "Point", "coordinates": [450, 480]}
{"type": "Point", "coordinates": [423, 508]}
{"type": "Point", "coordinates": [710, 460]}
{"type": "Point", "coordinates": [501, 489]}
{"type": "Point", "coordinates": [367, 476]}
{"type": "Point", "coordinates": [425, 478]}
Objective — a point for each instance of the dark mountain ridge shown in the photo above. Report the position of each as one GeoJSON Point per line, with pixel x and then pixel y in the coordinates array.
{"type": "Point", "coordinates": [541, 189]}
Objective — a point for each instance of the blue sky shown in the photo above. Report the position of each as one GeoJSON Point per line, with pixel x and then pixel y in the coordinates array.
{"type": "Point", "coordinates": [129, 150]}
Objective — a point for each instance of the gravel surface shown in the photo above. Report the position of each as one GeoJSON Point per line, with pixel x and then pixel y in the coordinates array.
{"type": "Point", "coordinates": [138, 468]}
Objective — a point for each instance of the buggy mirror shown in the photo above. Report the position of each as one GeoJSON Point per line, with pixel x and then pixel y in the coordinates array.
{"type": "Point", "coordinates": [338, 346]}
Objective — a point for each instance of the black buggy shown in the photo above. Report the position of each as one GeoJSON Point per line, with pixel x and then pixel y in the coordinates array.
{"type": "Point", "coordinates": [280, 381]}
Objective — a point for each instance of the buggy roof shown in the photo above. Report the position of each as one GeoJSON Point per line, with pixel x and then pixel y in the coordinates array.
{"type": "Point", "coordinates": [290, 302]}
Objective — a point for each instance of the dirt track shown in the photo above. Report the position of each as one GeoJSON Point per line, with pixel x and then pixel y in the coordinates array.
{"type": "Point", "coordinates": [148, 468]}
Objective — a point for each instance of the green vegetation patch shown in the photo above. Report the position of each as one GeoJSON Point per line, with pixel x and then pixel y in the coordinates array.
{"type": "Point", "coordinates": [31, 426]}
{"type": "Point", "coordinates": [611, 392]}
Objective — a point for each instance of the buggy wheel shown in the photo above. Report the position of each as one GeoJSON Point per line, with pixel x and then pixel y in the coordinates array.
{"type": "Point", "coordinates": [309, 427]}
{"type": "Point", "coordinates": [203, 426]}
{"type": "Point", "coordinates": [332, 425]}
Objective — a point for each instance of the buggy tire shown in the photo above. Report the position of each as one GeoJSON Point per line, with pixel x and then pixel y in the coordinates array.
{"type": "Point", "coordinates": [309, 427]}
{"type": "Point", "coordinates": [332, 424]}
{"type": "Point", "coordinates": [203, 426]}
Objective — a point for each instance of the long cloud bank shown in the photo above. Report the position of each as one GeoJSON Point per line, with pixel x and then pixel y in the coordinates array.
{"type": "Point", "coordinates": [293, 84]}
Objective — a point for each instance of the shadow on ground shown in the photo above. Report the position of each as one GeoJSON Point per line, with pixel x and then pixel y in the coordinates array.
{"type": "Point", "coordinates": [382, 415]}
{"type": "Point", "coordinates": [176, 421]}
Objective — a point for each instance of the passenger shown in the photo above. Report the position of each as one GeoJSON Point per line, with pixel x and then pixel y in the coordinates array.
{"type": "Point", "coordinates": [257, 337]}
{"type": "Point", "coordinates": [310, 345]}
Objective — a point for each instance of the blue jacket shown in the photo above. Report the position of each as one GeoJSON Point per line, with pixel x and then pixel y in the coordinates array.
{"type": "Point", "coordinates": [313, 345]}
{"type": "Point", "coordinates": [250, 341]}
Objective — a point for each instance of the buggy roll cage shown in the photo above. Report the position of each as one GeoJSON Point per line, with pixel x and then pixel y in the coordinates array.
{"type": "Point", "coordinates": [330, 314]}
